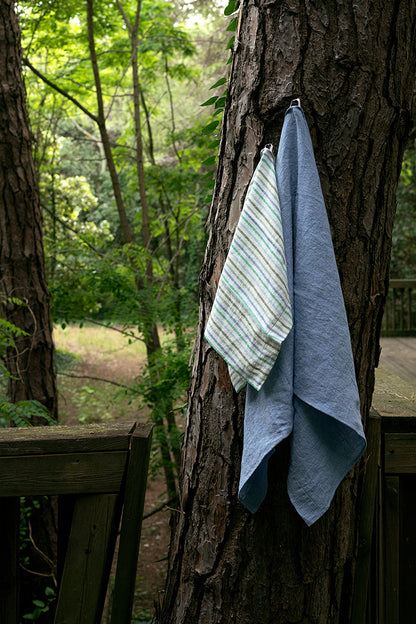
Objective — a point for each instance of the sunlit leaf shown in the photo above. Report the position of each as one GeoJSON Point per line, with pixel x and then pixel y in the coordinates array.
{"type": "Point", "coordinates": [219, 82]}
{"type": "Point", "coordinates": [210, 127]}
{"type": "Point", "coordinates": [210, 101]}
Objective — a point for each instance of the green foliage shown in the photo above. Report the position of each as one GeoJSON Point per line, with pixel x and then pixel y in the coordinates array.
{"type": "Point", "coordinates": [90, 406]}
{"type": "Point", "coordinates": [162, 387]}
{"type": "Point", "coordinates": [8, 334]}
{"type": "Point", "coordinates": [141, 616]}
{"type": "Point", "coordinates": [8, 331]}
{"type": "Point", "coordinates": [41, 606]}
{"type": "Point", "coordinates": [403, 261]}
{"type": "Point", "coordinates": [22, 413]}
{"type": "Point", "coordinates": [28, 507]}
{"type": "Point", "coordinates": [92, 272]}
{"type": "Point", "coordinates": [231, 7]}
{"type": "Point", "coordinates": [166, 379]}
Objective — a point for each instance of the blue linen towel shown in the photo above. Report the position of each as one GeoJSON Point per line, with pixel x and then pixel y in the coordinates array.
{"type": "Point", "coordinates": [311, 391]}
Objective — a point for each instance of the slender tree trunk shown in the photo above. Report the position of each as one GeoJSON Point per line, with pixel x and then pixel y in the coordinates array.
{"type": "Point", "coordinates": [173, 264]}
{"type": "Point", "coordinates": [101, 122]}
{"type": "Point", "coordinates": [353, 66]}
{"type": "Point", "coordinates": [22, 271]}
{"type": "Point", "coordinates": [151, 331]}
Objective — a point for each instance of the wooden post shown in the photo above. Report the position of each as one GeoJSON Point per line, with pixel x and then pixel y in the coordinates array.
{"type": "Point", "coordinates": [380, 584]}
{"type": "Point", "coordinates": [392, 549]}
{"type": "Point", "coordinates": [86, 568]}
{"type": "Point", "coordinates": [130, 529]}
{"type": "Point", "coordinates": [367, 517]}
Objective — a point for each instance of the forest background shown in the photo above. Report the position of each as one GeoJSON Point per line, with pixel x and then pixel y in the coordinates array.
{"type": "Point", "coordinates": [125, 146]}
{"type": "Point", "coordinates": [125, 101]}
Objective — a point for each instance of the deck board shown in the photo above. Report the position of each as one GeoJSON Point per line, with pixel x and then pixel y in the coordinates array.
{"type": "Point", "coordinates": [398, 355]}
{"type": "Point", "coordinates": [395, 389]}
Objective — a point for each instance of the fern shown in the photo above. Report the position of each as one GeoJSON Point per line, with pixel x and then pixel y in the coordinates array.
{"type": "Point", "coordinates": [22, 413]}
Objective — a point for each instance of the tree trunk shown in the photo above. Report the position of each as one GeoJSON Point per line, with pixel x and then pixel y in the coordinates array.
{"type": "Point", "coordinates": [353, 66]}
{"type": "Point", "coordinates": [22, 274]}
{"type": "Point", "coordinates": [22, 271]}
{"type": "Point", "coordinates": [100, 119]}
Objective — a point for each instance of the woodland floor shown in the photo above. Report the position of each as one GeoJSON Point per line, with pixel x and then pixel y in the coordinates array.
{"type": "Point", "coordinates": [92, 352]}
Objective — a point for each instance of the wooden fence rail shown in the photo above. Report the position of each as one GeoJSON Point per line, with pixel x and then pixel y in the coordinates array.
{"type": "Point", "coordinates": [99, 473]}
{"type": "Point", "coordinates": [400, 312]}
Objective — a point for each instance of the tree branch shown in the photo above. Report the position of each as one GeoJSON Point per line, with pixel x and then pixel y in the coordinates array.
{"type": "Point", "coordinates": [72, 229]}
{"type": "Point", "coordinates": [172, 111]}
{"type": "Point", "coordinates": [175, 255]}
{"type": "Point", "coordinates": [121, 331]}
{"type": "Point", "coordinates": [43, 555]}
{"type": "Point", "coordinates": [160, 508]}
{"type": "Point", "coordinates": [109, 381]}
{"type": "Point", "coordinates": [125, 17]}
{"type": "Point", "coordinates": [54, 86]}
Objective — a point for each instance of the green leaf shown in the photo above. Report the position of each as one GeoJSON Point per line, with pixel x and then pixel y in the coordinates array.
{"type": "Point", "coordinates": [210, 127]}
{"type": "Point", "coordinates": [39, 603]}
{"type": "Point", "coordinates": [220, 103]}
{"type": "Point", "coordinates": [230, 45]}
{"type": "Point", "coordinates": [219, 82]}
{"type": "Point", "coordinates": [232, 27]}
{"type": "Point", "coordinates": [232, 6]}
{"type": "Point", "coordinates": [208, 162]}
{"type": "Point", "coordinates": [210, 101]}
{"type": "Point", "coordinates": [214, 144]}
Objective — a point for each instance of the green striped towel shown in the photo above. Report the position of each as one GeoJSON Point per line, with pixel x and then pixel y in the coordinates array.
{"type": "Point", "coordinates": [251, 314]}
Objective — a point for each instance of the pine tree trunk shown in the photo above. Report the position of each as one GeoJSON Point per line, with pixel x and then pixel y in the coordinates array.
{"type": "Point", "coordinates": [353, 66]}
{"type": "Point", "coordinates": [22, 276]}
{"type": "Point", "coordinates": [22, 273]}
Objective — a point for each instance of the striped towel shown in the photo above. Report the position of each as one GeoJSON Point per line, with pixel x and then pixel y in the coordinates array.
{"type": "Point", "coordinates": [251, 315]}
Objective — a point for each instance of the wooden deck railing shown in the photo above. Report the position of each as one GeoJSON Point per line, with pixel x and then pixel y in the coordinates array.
{"type": "Point", "coordinates": [400, 312]}
{"type": "Point", "coordinates": [103, 469]}
{"type": "Point", "coordinates": [385, 576]}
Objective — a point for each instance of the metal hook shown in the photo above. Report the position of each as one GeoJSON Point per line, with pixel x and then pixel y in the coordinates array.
{"type": "Point", "coordinates": [295, 102]}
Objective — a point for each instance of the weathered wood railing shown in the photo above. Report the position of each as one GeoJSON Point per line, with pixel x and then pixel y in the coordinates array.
{"type": "Point", "coordinates": [103, 469]}
{"type": "Point", "coordinates": [386, 567]}
{"type": "Point", "coordinates": [400, 313]}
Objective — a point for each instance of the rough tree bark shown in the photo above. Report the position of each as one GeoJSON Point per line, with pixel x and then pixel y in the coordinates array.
{"type": "Point", "coordinates": [22, 276]}
{"type": "Point", "coordinates": [353, 66]}
{"type": "Point", "coordinates": [22, 273]}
